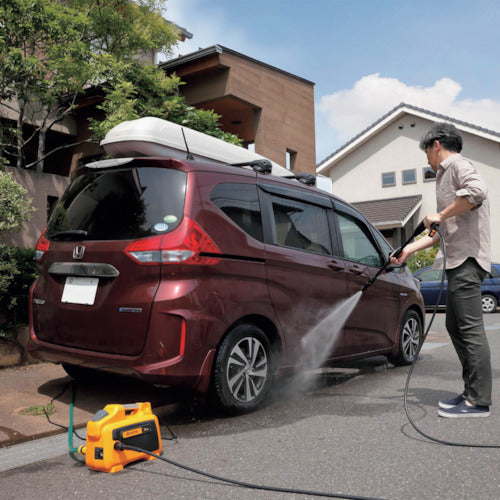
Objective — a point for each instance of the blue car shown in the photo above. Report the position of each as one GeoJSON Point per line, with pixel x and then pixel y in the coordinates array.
{"type": "Point", "coordinates": [430, 283]}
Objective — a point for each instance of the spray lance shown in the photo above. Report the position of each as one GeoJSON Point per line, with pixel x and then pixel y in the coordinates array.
{"type": "Point", "coordinates": [419, 229]}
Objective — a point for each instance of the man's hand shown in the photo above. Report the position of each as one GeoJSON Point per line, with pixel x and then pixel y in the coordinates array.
{"type": "Point", "coordinates": [401, 258]}
{"type": "Point", "coordinates": [432, 219]}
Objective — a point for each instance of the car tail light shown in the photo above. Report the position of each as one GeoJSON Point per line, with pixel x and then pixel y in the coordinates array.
{"type": "Point", "coordinates": [188, 244]}
{"type": "Point", "coordinates": [42, 247]}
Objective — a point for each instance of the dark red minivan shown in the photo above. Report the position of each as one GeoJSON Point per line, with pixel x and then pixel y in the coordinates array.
{"type": "Point", "coordinates": [206, 275]}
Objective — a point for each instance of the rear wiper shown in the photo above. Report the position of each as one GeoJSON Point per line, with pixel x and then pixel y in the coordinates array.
{"type": "Point", "coordinates": [76, 233]}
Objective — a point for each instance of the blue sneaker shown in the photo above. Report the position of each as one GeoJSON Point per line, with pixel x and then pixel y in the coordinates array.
{"type": "Point", "coordinates": [451, 403]}
{"type": "Point", "coordinates": [462, 410]}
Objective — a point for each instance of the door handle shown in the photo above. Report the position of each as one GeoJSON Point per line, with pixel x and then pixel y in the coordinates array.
{"type": "Point", "coordinates": [335, 265]}
{"type": "Point", "coordinates": [354, 269]}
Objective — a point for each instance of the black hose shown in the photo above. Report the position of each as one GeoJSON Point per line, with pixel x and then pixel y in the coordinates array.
{"type": "Point", "coordinates": [121, 446]}
{"type": "Point", "coordinates": [441, 441]}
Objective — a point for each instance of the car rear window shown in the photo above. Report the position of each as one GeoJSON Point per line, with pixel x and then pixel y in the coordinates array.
{"type": "Point", "coordinates": [119, 205]}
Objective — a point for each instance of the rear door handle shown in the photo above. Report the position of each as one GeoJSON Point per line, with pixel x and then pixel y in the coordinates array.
{"type": "Point", "coordinates": [355, 269]}
{"type": "Point", "coordinates": [335, 265]}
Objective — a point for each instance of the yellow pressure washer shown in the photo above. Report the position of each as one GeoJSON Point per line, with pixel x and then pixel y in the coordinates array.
{"type": "Point", "coordinates": [117, 425]}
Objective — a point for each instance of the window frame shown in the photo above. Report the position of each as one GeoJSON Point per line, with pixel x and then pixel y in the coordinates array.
{"type": "Point", "coordinates": [428, 169]}
{"type": "Point", "coordinates": [393, 173]}
{"type": "Point", "coordinates": [342, 208]}
{"type": "Point", "coordinates": [253, 187]}
{"type": "Point", "coordinates": [405, 182]}
{"type": "Point", "coordinates": [269, 192]}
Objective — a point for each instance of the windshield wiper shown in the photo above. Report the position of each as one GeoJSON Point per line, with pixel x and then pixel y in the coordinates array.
{"type": "Point", "coordinates": [75, 233]}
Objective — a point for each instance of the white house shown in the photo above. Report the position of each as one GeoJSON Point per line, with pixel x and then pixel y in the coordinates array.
{"type": "Point", "coordinates": [384, 174]}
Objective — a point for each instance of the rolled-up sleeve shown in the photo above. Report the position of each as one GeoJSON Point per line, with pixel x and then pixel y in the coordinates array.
{"type": "Point", "coordinates": [471, 185]}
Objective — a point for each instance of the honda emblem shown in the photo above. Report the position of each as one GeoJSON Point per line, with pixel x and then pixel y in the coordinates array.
{"type": "Point", "coordinates": [78, 252]}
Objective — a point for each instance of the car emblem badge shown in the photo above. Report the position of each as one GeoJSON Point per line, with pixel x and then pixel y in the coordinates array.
{"type": "Point", "coordinates": [78, 252]}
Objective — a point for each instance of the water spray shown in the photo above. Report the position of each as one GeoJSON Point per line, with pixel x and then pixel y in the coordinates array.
{"type": "Point", "coordinates": [320, 340]}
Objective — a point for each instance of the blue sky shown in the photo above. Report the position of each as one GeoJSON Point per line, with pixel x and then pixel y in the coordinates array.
{"type": "Point", "coordinates": [364, 56]}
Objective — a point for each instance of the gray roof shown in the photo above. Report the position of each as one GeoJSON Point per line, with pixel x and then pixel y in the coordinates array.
{"type": "Point", "coordinates": [393, 212]}
{"type": "Point", "coordinates": [419, 110]}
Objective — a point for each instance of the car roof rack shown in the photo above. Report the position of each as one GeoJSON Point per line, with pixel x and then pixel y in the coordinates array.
{"type": "Point", "coordinates": [263, 165]}
{"type": "Point", "coordinates": [305, 178]}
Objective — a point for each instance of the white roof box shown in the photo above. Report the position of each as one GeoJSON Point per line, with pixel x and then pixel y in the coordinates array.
{"type": "Point", "coordinates": [152, 136]}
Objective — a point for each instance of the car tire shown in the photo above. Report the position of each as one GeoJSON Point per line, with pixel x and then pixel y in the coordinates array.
{"type": "Point", "coordinates": [411, 336]}
{"type": "Point", "coordinates": [244, 369]}
{"type": "Point", "coordinates": [489, 303]}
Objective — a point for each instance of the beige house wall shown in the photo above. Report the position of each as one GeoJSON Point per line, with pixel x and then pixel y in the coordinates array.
{"type": "Point", "coordinates": [358, 175]}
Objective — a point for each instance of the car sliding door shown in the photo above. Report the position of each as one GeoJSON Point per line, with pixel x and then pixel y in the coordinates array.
{"type": "Point", "coordinates": [305, 279]}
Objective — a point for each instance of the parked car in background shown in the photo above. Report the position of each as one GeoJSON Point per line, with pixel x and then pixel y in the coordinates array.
{"type": "Point", "coordinates": [430, 284]}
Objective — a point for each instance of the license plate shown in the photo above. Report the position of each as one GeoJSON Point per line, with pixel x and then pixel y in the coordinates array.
{"type": "Point", "coordinates": [78, 290]}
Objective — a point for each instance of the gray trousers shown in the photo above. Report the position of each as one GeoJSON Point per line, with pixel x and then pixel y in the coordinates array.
{"type": "Point", "coordinates": [464, 322]}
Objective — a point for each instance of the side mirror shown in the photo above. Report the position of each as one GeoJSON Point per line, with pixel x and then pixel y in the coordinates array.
{"type": "Point", "coordinates": [393, 267]}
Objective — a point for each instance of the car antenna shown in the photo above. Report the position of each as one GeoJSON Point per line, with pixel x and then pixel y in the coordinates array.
{"type": "Point", "coordinates": [189, 155]}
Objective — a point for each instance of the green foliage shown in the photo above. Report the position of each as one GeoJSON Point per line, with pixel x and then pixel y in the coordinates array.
{"type": "Point", "coordinates": [17, 265]}
{"type": "Point", "coordinates": [17, 273]}
{"type": "Point", "coordinates": [51, 50]}
{"type": "Point", "coordinates": [422, 258]}
{"type": "Point", "coordinates": [15, 206]}
{"type": "Point", "coordinates": [137, 90]}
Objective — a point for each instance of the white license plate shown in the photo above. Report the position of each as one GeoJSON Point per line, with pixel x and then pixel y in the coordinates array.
{"type": "Point", "coordinates": [78, 290]}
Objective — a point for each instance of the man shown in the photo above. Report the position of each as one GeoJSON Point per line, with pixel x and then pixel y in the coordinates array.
{"type": "Point", "coordinates": [463, 217]}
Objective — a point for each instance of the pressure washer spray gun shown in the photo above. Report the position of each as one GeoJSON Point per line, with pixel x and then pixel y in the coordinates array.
{"type": "Point", "coordinates": [419, 229]}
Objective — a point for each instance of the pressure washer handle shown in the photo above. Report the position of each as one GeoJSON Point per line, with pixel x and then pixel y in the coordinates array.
{"type": "Point", "coordinates": [434, 229]}
{"type": "Point", "coordinates": [397, 252]}
{"type": "Point", "coordinates": [419, 229]}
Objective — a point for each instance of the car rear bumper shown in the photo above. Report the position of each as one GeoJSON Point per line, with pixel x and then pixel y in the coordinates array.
{"type": "Point", "coordinates": [191, 370]}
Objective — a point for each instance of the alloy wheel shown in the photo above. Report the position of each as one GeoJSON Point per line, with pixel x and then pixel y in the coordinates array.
{"type": "Point", "coordinates": [489, 303]}
{"type": "Point", "coordinates": [247, 368]}
{"type": "Point", "coordinates": [410, 337]}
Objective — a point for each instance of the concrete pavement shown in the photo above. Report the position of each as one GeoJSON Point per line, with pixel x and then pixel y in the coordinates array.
{"type": "Point", "coordinates": [27, 388]}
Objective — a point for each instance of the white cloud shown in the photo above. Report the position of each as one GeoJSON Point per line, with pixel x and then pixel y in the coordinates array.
{"type": "Point", "coordinates": [350, 111]}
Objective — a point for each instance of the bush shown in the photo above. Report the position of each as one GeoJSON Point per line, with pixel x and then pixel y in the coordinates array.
{"type": "Point", "coordinates": [17, 265]}
{"type": "Point", "coordinates": [18, 270]}
{"type": "Point", "coordinates": [15, 206]}
{"type": "Point", "coordinates": [422, 258]}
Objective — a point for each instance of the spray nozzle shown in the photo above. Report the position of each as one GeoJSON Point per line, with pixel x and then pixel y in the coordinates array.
{"type": "Point", "coordinates": [419, 229]}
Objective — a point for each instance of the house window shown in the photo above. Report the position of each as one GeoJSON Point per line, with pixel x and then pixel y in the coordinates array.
{"type": "Point", "coordinates": [428, 174]}
{"type": "Point", "coordinates": [291, 156]}
{"type": "Point", "coordinates": [409, 176]}
{"type": "Point", "coordinates": [388, 179]}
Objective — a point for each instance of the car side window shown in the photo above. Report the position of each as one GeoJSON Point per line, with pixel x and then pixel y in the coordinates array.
{"type": "Point", "coordinates": [240, 202]}
{"type": "Point", "coordinates": [356, 242]}
{"type": "Point", "coordinates": [430, 275]}
{"type": "Point", "coordinates": [301, 225]}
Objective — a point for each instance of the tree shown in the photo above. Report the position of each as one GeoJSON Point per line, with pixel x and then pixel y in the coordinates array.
{"type": "Point", "coordinates": [43, 64]}
{"type": "Point", "coordinates": [52, 50]}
